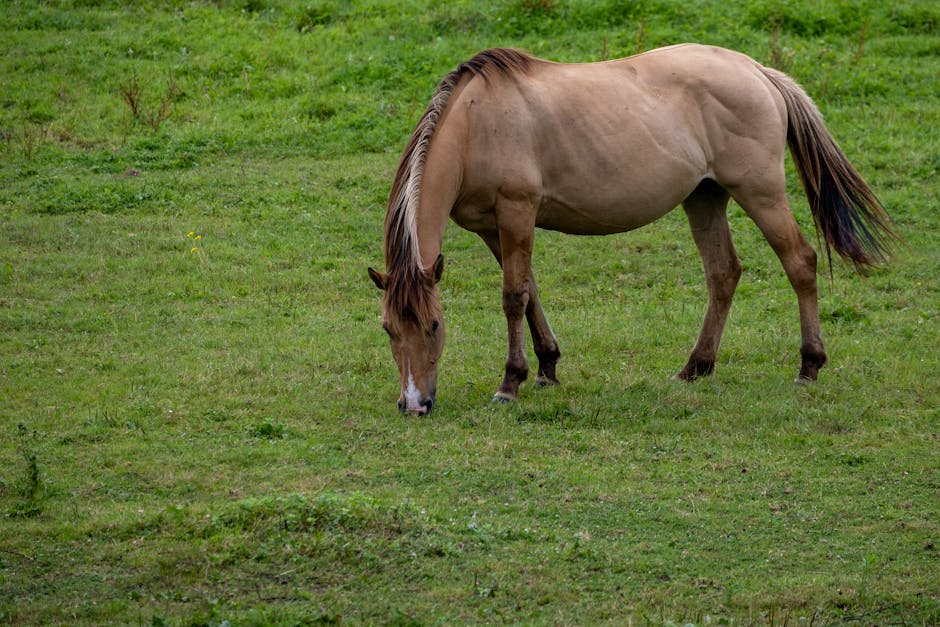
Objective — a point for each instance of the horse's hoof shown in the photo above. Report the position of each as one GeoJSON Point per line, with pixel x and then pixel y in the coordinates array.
{"type": "Point", "coordinates": [502, 399]}
{"type": "Point", "coordinates": [544, 382]}
{"type": "Point", "coordinates": [682, 376]}
{"type": "Point", "coordinates": [803, 380]}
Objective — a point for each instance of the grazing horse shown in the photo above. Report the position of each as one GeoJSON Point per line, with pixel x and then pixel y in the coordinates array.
{"type": "Point", "coordinates": [510, 142]}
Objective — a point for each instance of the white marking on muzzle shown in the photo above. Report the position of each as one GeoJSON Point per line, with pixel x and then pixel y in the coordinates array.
{"type": "Point", "coordinates": [412, 394]}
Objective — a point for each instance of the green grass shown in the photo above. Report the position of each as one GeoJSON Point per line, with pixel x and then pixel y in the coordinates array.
{"type": "Point", "coordinates": [195, 431]}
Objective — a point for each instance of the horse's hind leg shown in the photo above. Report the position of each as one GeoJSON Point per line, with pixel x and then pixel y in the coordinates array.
{"type": "Point", "coordinates": [543, 339]}
{"type": "Point", "coordinates": [771, 213]}
{"type": "Point", "coordinates": [706, 210]}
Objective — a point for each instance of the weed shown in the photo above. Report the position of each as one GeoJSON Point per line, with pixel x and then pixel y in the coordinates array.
{"type": "Point", "coordinates": [29, 488]}
{"type": "Point", "coordinates": [780, 57]}
{"type": "Point", "coordinates": [316, 14]}
{"type": "Point", "coordinates": [267, 431]}
{"type": "Point", "coordinates": [216, 415]}
{"type": "Point", "coordinates": [132, 94]}
{"type": "Point", "coordinates": [639, 38]}
{"type": "Point", "coordinates": [860, 40]}
{"type": "Point", "coordinates": [196, 249]}
{"type": "Point", "coordinates": [537, 6]}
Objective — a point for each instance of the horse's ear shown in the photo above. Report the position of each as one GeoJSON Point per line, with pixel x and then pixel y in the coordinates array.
{"type": "Point", "coordinates": [438, 270]}
{"type": "Point", "coordinates": [378, 278]}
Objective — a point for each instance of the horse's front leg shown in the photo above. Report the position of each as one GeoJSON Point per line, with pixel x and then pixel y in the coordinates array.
{"type": "Point", "coordinates": [515, 298]}
{"type": "Point", "coordinates": [543, 339]}
{"type": "Point", "coordinates": [516, 223]}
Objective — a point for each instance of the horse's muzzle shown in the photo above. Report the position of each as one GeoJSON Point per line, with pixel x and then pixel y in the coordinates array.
{"type": "Point", "coordinates": [422, 410]}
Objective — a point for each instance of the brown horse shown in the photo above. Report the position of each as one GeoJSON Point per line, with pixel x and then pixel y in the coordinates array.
{"type": "Point", "coordinates": [510, 143]}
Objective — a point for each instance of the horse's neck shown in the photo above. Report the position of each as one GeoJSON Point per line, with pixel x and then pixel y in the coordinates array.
{"type": "Point", "coordinates": [439, 188]}
{"type": "Point", "coordinates": [430, 242]}
{"type": "Point", "coordinates": [431, 222]}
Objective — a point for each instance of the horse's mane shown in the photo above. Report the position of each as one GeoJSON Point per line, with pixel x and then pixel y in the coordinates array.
{"type": "Point", "coordinates": [408, 286]}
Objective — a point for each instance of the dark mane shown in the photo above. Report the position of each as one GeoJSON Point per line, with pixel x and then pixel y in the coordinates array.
{"type": "Point", "coordinates": [408, 284]}
{"type": "Point", "coordinates": [496, 61]}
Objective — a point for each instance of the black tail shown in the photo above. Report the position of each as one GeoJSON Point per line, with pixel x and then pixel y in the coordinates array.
{"type": "Point", "coordinates": [848, 214]}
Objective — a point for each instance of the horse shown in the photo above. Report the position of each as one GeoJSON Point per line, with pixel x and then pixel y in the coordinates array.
{"type": "Point", "coordinates": [510, 142]}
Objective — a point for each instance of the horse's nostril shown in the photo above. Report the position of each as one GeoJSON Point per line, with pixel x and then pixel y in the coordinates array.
{"type": "Point", "coordinates": [401, 406]}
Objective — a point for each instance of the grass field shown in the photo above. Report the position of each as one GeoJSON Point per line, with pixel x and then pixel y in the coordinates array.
{"type": "Point", "coordinates": [197, 402]}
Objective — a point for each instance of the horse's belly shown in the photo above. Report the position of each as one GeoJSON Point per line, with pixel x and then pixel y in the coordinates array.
{"type": "Point", "coordinates": [602, 212]}
{"type": "Point", "coordinates": [599, 184]}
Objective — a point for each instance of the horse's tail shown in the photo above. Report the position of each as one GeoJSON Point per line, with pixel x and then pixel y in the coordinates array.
{"type": "Point", "coordinates": [848, 214]}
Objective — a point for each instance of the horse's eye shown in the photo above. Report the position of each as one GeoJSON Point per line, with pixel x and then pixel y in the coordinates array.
{"type": "Point", "coordinates": [435, 325]}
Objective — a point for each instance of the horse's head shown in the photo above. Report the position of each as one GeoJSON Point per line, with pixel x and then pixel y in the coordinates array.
{"type": "Point", "coordinates": [413, 319]}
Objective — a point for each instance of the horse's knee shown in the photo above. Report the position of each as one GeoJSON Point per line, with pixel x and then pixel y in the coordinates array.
{"type": "Point", "coordinates": [735, 269]}
{"type": "Point", "coordinates": [515, 301]}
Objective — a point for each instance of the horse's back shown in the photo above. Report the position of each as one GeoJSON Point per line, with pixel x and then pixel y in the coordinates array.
{"type": "Point", "coordinates": [610, 146]}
